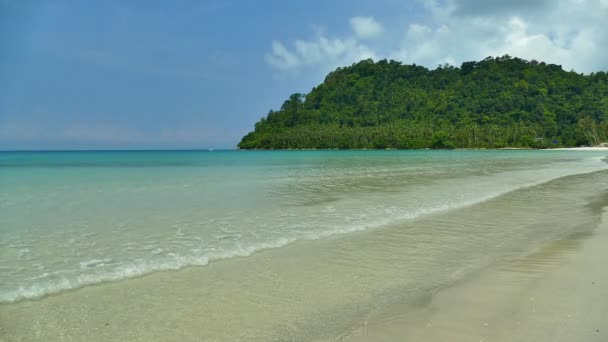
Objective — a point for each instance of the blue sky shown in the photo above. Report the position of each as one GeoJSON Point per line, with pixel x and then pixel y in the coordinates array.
{"type": "Point", "coordinates": [198, 74]}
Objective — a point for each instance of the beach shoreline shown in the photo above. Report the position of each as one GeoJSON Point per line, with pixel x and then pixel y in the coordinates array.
{"type": "Point", "coordinates": [323, 290]}
{"type": "Point", "coordinates": [556, 293]}
{"type": "Point", "coordinates": [590, 148]}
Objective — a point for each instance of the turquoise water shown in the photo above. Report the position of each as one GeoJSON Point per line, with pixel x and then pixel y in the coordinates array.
{"type": "Point", "coordinates": [69, 219]}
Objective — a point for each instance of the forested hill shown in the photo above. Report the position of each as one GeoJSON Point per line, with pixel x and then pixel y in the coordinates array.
{"type": "Point", "coordinates": [498, 102]}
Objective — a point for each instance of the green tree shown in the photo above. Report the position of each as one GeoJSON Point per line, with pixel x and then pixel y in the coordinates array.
{"type": "Point", "coordinates": [497, 102]}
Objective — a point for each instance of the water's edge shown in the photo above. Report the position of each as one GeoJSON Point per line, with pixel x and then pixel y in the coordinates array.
{"type": "Point", "coordinates": [25, 294]}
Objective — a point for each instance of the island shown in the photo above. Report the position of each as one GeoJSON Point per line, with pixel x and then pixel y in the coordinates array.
{"type": "Point", "coordinates": [499, 102]}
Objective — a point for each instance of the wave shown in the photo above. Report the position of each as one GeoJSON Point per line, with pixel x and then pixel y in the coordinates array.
{"type": "Point", "coordinates": [174, 261]}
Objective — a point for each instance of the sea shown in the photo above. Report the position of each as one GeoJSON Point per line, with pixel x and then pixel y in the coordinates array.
{"type": "Point", "coordinates": [73, 219]}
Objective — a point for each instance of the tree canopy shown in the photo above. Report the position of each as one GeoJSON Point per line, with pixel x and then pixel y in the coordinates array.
{"type": "Point", "coordinates": [497, 102]}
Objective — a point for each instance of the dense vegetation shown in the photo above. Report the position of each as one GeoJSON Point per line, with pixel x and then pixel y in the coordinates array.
{"type": "Point", "coordinates": [498, 102]}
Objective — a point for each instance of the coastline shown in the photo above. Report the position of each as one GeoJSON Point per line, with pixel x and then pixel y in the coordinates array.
{"type": "Point", "coordinates": [556, 293]}
{"type": "Point", "coordinates": [321, 290]}
{"type": "Point", "coordinates": [591, 148]}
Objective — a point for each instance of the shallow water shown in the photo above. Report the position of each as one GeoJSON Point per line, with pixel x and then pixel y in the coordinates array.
{"type": "Point", "coordinates": [369, 231]}
{"type": "Point", "coordinates": [70, 219]}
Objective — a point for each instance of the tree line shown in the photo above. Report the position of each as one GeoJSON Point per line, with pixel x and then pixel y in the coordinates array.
{"type": "Point", "coordinates": [497, 102]}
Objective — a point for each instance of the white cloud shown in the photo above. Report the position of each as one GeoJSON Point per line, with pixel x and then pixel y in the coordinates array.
{"type": "Point", "coordinates": [417, 31]}
{"type": "Point", "coordinates": [455, 31]}
{"type": "Point", "coordinates": [579, 43]}
{"type": "Point", "coordinates": [366, 27]}
{"type": "Point", "coordinates": [321, 51]}
{"type": "Point", "coordinates": [281, 57]}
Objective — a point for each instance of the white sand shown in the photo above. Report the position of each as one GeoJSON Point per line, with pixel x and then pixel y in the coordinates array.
{"type": "Point", "coordinates": [594, 148]}
{"type": "Point", "coordinates": [366, 286]}
{"type": "Point", "coordinates": [558, 293]}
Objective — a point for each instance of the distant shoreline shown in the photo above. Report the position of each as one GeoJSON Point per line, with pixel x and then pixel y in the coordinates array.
{"type": "Point", "coordinates": [594, 148]}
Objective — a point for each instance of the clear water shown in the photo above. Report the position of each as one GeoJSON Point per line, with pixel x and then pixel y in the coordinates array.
{"type": "Point", "coordinates": [69, 219]}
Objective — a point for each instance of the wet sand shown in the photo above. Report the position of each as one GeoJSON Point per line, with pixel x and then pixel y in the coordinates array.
{"type": "Point", "coordinates": [557, 293]}
{"type": "Point", "coordinates": [432, 279]}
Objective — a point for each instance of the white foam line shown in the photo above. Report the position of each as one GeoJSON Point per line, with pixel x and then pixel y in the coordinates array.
{"type": "Point", "coordinates": [176, 262]}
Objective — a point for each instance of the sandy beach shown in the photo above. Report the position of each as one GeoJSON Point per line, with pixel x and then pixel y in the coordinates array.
{"type": "Point", "coordinates": [541, 279]}
{"type": "Point", "coordinates": [556, 293]}
{"type": "Point", "coordinates": [355, 171]}
{"type": "Point", "coordinates": [590, 148]}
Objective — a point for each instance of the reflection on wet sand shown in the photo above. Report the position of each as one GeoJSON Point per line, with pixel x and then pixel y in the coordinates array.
{"type": "Point", "coordinates": [556, 293]}
{"type": "Point", "coordinates": [441, 277]}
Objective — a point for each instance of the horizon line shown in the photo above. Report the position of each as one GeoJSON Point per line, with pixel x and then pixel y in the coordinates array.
{"type": "Point", "coordinates": [122, 150]}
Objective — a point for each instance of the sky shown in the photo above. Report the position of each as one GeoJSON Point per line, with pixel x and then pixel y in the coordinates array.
{"type": "Point", "coordinates": [198, 74]}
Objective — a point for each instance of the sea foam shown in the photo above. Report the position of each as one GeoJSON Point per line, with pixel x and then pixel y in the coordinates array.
{"type": "Point", "coordinates": [348, 214]}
